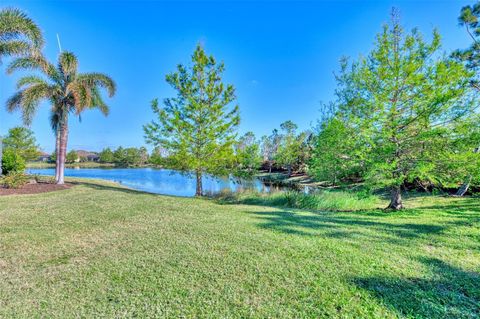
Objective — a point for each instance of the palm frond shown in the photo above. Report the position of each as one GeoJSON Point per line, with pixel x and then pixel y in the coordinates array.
{"type": "Point", "coordinates": [37, 62]}
{"type": "Point", "coordinates": [15, 47]}
{"type": "Point", "coordinates": [14, 23]}
{"type": "Point", "coordinates": [68, 65]}
{"type": "Point", "coordinates": [100, 80]}
{"type": "Point", "coordinates": [30, 80]}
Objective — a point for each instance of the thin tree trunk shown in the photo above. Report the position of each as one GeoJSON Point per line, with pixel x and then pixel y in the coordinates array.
{"type": "Point", "coordinates": [464, 188]}
{"type": "Point", "coordinates": [57, 159]}
{"type": "Point", "coordinates": [62, 153]}
{"type": "Point", "coordinates": [396, 199]}
{"type": "Point", "coordinates": [199, 191]}
{"type": "Point", "coordinates": [289, 170]}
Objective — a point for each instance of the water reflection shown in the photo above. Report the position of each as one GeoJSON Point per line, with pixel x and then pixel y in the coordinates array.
{"type": "Point", "coordinates": [163, 181]}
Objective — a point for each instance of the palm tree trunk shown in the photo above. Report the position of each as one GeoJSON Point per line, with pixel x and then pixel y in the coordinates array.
{"type": "Point", "coordinates": [62, 152]}
{"type": "Point", "coordinates": [57, 158]}
{"type": "Point", "coordinates": [199, 190]}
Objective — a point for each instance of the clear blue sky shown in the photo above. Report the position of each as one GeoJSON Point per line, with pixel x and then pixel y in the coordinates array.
{"type": "Point", "coordinates": [279, 55]}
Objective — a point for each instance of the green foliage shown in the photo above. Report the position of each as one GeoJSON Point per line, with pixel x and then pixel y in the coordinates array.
{"type": "Point", "coordinates": [157, 157]}
{"type": "Point", "coordinates": [322, 200]}
{"type": "Point", "coordinates": [22, 141]}
{"type": "Point", "coordinates": [12, 162]}
{"type": "Point", "coordinates": [269, 148]}
{"type": "Point", "coordinates": [130, 156]}
{"type": "Point", "coordinates": [106, 156]}
{"type": "Point", "coordinates": [72, 156]}
{"type": "Point", "coordinates": [197, 127]}
{"type": "Point", "coordinates": [336, 155]}
{"type": "Point", "coordinates": [469, 18]}
{"type": "Point", "coordinates": [14, 179]}
{"type": "Point", "coordinates": [247, 153]}
{"type": "Point", "coordinates": [19, 35]}
{"type": "Point", "coordinates": [401, 102]}
{"type": "Point", "coordinates": [292, 150]}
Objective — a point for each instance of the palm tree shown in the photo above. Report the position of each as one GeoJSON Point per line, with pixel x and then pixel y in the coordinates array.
{"type": "Point", "coordinates": [68, 92]}
{"type": "Point", "coordinates": [19, 35]}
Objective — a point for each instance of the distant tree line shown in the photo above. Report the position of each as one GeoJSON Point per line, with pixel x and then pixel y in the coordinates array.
{"type": "Point", "coordinates": [130, 156]}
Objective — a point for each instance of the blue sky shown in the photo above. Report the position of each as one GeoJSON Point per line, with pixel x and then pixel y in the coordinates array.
{"type": "Point", "coordinates": [279, 55]}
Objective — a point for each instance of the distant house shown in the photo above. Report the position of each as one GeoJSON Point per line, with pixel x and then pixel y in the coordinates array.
{"type": "Point", "coordinates": [86, 156]}
{"type": "Point", "coordinates": [43, 157]}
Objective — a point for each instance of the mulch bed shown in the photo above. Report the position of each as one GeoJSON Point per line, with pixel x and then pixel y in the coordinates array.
{"type": "Point", "coordinates": [34, 189]}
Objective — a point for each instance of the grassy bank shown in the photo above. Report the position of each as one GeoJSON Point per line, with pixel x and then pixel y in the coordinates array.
{"type": "Point", "coordinates": [326, 200]}
{"type": "Point", "coordinates": [97, 250]}
{"type": "Point", "coordinates": [69, 165]}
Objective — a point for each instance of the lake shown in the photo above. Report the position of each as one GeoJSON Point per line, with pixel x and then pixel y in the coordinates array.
{"type": "Point", "coordinates": [160, 181]}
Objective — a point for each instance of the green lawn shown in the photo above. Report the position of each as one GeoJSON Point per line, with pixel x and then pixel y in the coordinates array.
{"type": "Point", "coordinates": [97, 250]}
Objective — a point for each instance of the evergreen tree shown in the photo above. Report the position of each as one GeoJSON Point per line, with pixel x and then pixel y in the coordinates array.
{"type": "Point", "coordinates": [247, 152]}
{"type": "Point", "coordinates": [197, 127]}
{"type": "Point", "coordinates": [23, 142]}
{"type": "Point", "coordinates": [400, 100]}
{"type": "Point", "coordinates": [106, 156]}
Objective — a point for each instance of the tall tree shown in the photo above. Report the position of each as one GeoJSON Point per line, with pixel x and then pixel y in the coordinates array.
{"type": "Point", "coordinates": [469, 19]}
{"type": "Point", "coordinates": [19, 35]}
{"type": "Point", "coordinates": [269, 148]}
{"type": "Point", "coordinates": [247, 152]}
{"type": "Point", "coordinates": [67, 90]}
{"type": "Point", "coordinates": [290, 147]}
{"type": "Point", "coordinates": [401, 99]}
{"type": "Point", "coordinates": [197, 127]}
{"type": "Point", "coordinates": [23, 142]}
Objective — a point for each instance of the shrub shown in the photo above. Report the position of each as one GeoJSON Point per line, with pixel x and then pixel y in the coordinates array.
{"type": "Point", "coordinates": [14, 180]}
{"type": "Point", "coordinates": [12, 162]}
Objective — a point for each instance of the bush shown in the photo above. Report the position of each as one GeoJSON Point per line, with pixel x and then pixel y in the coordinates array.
{"type": "Point", "coordinates": [14, 180]}
{"type": "Point", "coordinates": [12, 162]}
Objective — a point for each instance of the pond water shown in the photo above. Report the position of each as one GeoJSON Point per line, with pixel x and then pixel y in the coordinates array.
{"type": "Point", "coordinates": [160, 181]}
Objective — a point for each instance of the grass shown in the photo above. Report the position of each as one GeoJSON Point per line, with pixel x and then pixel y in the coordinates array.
{"type": "Point", "coordinates": [326, 200]}
{"type": "Point", "coordinates": [97, 250]}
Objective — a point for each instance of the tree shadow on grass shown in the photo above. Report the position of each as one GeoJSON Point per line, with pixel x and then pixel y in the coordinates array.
{"type": "Point", "coordinates": [449, 292]}
{"type": "Point", "coordinates": [336, 225]}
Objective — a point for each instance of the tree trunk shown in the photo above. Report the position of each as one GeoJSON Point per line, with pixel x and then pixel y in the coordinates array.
{"type": "Point", "coordinates": [199, 191]}
{"type": "Point", "coordinates": [57, 149]}
{"type": "Point", "coordinates": [464, 188]}
{"type": "Point", "coordinates": [62, 153]}
{"type": "Point", "coordinates": [289, 170]}
{"type": "Point", "coordinates": [396, 199]}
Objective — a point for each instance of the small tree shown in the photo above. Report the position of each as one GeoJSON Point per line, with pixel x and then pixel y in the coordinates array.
{"type": "Point", "coordinates": [72, 157]}
{"type": "Point", "coordinates": [106, 156]}
{"type": "Point", "coordinates": [290, 147]}
{"type": "Point", "coordinates": [269, 147]}
{"type": "Point", "coordinates": [247, 152]}
{"type": "Point", "coordinates": [197, 127]}
{"type": "Point", "coordinates": [12, 162]}
{"type": "Point", "coordinates": [23, 142]}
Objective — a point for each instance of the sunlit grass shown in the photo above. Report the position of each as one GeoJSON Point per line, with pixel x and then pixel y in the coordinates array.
{"type": "Point", "coordinates": [97, 250]}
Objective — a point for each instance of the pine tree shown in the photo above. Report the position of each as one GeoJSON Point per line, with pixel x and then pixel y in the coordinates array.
{"type": "Point", "coordinates": [197, 127]}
